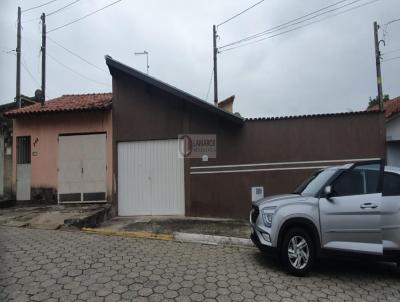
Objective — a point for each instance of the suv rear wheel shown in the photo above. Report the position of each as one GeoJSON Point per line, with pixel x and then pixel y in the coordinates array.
{"type": "Point", "coordinates": [297, 251]}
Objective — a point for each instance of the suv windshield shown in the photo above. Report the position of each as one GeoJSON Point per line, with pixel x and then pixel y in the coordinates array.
{"type": "Point", "coordinates": [314, 183]}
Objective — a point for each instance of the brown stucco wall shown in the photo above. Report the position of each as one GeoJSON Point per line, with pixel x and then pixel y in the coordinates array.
{"type": "Point", "coordinates": [278, 146]}
{"type": "Point", "coordinates": [142, 112]}
{"type": "Point", "coordinates": [44, 129]}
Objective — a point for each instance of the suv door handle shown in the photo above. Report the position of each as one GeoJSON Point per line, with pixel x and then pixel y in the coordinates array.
{"type": "Point", "coordinates": [368, 205]}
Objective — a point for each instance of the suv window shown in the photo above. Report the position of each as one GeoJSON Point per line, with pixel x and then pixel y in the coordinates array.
{"type": "Point", "coordinates": [314, 183]}
{"type": "Point", "coordinates": [349, 183]}
{"type": "Point", "coordinates": [391, 184]}
{"type": "Point", "coordinates": [362, 179]}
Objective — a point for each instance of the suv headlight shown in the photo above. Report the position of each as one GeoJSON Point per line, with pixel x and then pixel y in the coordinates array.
{"type": "Point", "coordinates": [268, 215]}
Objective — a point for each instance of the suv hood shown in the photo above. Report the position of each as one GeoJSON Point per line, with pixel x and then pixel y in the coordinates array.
{"type": "Point", "coordinates": [279, 199]}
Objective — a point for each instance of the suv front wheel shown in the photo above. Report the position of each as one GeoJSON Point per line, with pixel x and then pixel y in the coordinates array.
{"type": "Point", "coordinates": [297, 251]}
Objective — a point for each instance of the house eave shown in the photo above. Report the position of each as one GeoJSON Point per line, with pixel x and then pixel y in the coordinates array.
{"type": "Point", "coordinates": [114, 65]}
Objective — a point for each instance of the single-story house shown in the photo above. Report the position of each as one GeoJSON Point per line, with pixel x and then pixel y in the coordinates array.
{"type": "Point", "coordinates": [167, 152]}
{"type": "Point", "coordinates": [62, 150]}
{"type": "Point", "coordinates": [253, 157]}
{"type": "Point", "coordinates": [392, 118]}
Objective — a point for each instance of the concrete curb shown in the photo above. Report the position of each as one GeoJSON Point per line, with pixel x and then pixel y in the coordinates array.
{"type": "Point", "coordinates": [134, 234]}
{"type": "Point", "coordinates": [176, 236]}
{"type": "Point", "coordinates": [211, 239]}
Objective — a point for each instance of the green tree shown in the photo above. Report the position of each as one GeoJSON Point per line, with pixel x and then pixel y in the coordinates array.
{"type": "Point", "coordinates": [374, 101]}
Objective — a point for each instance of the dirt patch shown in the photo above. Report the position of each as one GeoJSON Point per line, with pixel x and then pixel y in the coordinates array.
{"type": "Point", "coordinates": [229, 228]}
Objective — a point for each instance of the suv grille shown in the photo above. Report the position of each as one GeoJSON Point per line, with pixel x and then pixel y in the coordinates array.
{"type": "Point", "coordinates": [254, 214]}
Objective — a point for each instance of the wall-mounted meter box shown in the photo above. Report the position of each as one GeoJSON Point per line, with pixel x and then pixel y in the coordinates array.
{"type": "Point", "coordinates": [257, 193]}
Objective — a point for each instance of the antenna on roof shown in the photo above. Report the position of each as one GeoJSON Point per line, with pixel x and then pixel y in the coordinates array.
{"type": "Point", "coordinates": [147, 58]}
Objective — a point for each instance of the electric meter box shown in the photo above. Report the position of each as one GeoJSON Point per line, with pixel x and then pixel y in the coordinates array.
{"type": "Point", "coordinates": [257, 193]}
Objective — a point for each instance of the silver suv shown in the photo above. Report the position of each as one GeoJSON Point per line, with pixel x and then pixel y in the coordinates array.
{"type": "Point", "coordinates": [352, 209]}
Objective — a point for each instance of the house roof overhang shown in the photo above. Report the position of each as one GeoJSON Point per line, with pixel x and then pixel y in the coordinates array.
{"type": "Point", "coordinates": [115, 66]}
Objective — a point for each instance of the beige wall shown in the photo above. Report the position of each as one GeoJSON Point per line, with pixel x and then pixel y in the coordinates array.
{"type": "Point", "coordinates": [44, 130]}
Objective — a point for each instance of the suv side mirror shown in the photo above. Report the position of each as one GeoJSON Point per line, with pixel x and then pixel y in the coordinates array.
{"type": "Point", "coordinates": [328, 191]}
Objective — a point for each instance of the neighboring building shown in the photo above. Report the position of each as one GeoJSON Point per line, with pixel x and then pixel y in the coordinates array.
{"type": "Point", "coordinates": [274, 154]}
{"type": "Point", "coordinates": [62, 150]}
{"type": "Point", "coordinates": [227, 104]}
{"type": "Point", "coordinates": [392, 117]}
{"type": "Point", "coordinates": [6, 146]}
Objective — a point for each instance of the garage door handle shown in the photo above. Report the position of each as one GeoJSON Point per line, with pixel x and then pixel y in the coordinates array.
{"type": "Point", "coordinates": [368, 206]}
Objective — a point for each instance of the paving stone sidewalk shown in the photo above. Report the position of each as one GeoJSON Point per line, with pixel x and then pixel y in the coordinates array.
{"type": "Point", "coordinates": [46, 265]}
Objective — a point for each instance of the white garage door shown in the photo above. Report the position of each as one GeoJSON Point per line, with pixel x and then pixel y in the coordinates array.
{"type": "Point", "coordinates": [82, 168]}
{"type": "Point", "coordinates": [150, 178]}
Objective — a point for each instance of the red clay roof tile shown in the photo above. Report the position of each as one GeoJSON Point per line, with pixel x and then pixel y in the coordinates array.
{"type": "Point", "coordinates": [67, 102]}
{"type": "Point", "coordinates": [391, 107]}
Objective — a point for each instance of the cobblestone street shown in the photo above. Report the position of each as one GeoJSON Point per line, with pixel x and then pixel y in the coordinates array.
{"type": "Point", "coordinates": [42, 265]}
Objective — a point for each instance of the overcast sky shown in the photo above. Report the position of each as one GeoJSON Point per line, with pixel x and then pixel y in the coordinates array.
{"type": "Point", "coordinates": [325, 67]}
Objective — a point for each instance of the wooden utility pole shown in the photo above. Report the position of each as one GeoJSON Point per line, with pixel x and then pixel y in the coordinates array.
{"type": "Point", "coordinates": [378, 66]}
{"type": "Point", "coordinates": [43, 58]}
{"type": "Point", "coordinates": [215, 53]}
{"type": "Point", "coordinates": [18, 51]}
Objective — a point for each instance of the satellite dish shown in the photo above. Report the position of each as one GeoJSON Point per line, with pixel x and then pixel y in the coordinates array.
{"type": "Point", "coordinates": [38, 95]}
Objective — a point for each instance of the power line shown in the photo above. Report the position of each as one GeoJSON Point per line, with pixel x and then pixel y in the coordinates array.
{"type": "Point", "coordinates": [83, 17]}
{"type": "Point", "coordinates": [35, 7]}
{"type": "Point", "coordinates": [76, 72]}
{"type": "Point", "coordinates": [25, 66]}
{"type": "Point", "coordinates": [390, 51]}
{"type": "Point", "coordinates": [8, 51]}
{"type": "Point", "coordinates": [293, 22]}
{"type": "Point", "coordinates": [299, 27]}
{"type": "Point", "coordinates": [62, 8]}
{"type": "Point", "coordinates": [78, 56]}
{"type": "Point", "coordinates": [390, 22]}
{"type": "Point", "coordinates": [385, 27]}
{"type": "Point", "coordinates": [391, 59]}
{"type": "Point", "coordinates": [53, 12]}
{"type": "Point", "coordinates": [238, 14]}
{"type": "Point", "coordinates": [284, 25]}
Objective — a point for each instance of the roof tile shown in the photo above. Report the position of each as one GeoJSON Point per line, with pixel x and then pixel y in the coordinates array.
{"type": "Point", "coordinates": [310, 115]}
{"type": "Point", "coordinates": [391, 107]}
{"type": "Point", "coordinates": [67, 102]}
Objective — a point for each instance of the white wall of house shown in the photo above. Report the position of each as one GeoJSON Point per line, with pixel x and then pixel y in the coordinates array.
{"type": "Point", "coordinates": [393, 129]}
{"type": "Point", "coordinates": [393, 141]}
{"type": "Point", "coordinates": [393, 154]}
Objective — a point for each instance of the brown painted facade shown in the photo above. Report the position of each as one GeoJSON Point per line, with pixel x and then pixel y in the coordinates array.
{"type": "Point", "coordinates": [274, 153]}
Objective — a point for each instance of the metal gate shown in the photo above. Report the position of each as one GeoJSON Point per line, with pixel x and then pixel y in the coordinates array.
{"type": "Point", "coordinates": [150, 178]}
{"type": "Point", "coordinates": [82, 168]}
{"type": "Point", "coordinates": [23, 168]}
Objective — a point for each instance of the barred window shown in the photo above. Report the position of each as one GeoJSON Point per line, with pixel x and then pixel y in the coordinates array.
{"type": "Point", "coordinates": [23, 149]}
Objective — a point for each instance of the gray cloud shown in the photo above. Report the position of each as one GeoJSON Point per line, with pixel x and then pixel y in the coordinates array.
{"type": "Point", "coordinates": [326, 67]}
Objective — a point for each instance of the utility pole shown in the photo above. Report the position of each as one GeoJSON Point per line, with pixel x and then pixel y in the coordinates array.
{"type": "Point", "coordinates": [18, 50]}
{"type": "Point", "coordinates": [378, 66]}
{"type": "Point", "coordinates": [215, 53]}
{"type": "Point", "coordinates": [43, 17]}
